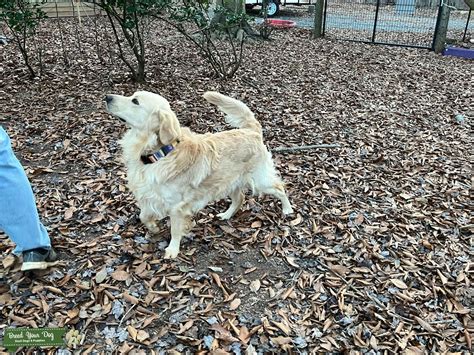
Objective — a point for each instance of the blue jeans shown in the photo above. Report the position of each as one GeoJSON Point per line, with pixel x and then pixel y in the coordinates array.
{"type": "Point", "coordinates": [18, 214]}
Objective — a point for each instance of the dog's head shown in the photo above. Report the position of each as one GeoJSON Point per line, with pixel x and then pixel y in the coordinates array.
{"type": "Point", "coordinates": [135, 110]}
{"type": "Point", "coordinates": [146, 111]}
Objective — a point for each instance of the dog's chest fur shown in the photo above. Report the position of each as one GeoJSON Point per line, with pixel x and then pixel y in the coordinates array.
{"type": "Point", "coordinates": [147, 182]}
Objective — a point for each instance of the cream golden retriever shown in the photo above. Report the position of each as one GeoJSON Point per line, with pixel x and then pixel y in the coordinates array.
{"type": "Point", "coordinates": [175, 172]}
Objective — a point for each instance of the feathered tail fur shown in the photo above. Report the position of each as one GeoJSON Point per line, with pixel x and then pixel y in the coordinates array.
{"type": "Point", "coordinates": [238, 115]}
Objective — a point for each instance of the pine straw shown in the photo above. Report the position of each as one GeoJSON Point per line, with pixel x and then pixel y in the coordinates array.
{"type": "Point", "coordinates": [377, 257]}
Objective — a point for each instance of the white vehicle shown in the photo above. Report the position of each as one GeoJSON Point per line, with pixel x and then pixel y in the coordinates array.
{"type": "Point", "coordinates": [274, 5]}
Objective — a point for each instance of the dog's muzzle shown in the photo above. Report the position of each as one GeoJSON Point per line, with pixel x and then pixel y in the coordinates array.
{"type": "Point", "coordinates": [108, 99]}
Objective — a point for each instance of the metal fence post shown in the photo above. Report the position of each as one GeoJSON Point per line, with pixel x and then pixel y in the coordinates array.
{"type": "Point", "coordinates": [325, 16]}
{"type": "Point", "coordinates": [467, 25]}
{"type": "Point", "coordinates": [318, 19]}
{"type": "Point", "coordinates": [377, 8]}
{"type": "Point", "coordinates": [441, 29]}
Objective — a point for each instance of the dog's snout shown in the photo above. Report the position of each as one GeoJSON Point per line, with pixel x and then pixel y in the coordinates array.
{"type": "Point", "coordinates": [108, 98]}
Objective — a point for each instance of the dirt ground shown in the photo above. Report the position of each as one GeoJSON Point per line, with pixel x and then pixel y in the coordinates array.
{"type": "Point", "coordinates": [377, 258]}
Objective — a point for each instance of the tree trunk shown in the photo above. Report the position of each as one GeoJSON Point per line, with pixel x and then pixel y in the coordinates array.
{"type": "Point", "coordinates": [235, 6]}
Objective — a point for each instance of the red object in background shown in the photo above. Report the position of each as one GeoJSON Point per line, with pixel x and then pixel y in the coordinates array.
{"type": "Point", "coordinates": [281, 23]}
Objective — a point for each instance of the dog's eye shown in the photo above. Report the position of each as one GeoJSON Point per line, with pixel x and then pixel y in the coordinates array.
{"type": "Point", "coordinates": [135, 101]}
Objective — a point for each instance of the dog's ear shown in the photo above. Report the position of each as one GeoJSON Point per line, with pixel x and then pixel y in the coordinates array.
{"type": "Point", "coordinates": [170, 129]}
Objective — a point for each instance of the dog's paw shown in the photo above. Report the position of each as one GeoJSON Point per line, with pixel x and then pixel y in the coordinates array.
{"type": "Point", "coordinates": [287, 210]}
{"type": "Point", "coordinates": [171, 253]}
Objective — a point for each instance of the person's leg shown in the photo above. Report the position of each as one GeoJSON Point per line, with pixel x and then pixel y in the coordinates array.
{"type": "Point", "coordinates": [18, 214]}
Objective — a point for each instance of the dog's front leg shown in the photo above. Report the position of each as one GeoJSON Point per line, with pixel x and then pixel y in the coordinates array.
{"type": "Point", "coordinates": [181, 223]}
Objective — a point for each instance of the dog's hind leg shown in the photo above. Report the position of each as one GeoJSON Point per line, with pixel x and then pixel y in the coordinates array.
{"type": "Point", "coordinates": [278, 191]}
{"type": "Point", "coordinates": [149, 219]}
{"type": "Point", "coordinates": [266, 180]}
{"type": "Point", "coordinates": [181, 224]}
{"type": "Point", "coordinates": [237, 197]}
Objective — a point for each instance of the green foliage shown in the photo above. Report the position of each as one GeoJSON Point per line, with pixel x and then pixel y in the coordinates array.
{"type": "Point", "coordinates": [216, 30]}
{"type": "Point", "coordinates": [129, 21]}
{"type": "Point", "coordinates": [22, 18]}
{"type": "Point", "coordinates": [21, 15]}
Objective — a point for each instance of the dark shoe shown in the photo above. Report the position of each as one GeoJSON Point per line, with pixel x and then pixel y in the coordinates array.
{"type": "Point", "coordinates": [4, 285]}
{"type": "Point", "coordinates": [38, 259]}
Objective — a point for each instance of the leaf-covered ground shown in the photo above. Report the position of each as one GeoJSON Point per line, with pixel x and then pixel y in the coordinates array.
{"type": "Point", "coordinates": [377, 258]}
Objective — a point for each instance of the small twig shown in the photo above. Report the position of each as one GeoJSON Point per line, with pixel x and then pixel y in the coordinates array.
{"type": "Point", "coordinates": [126, 313]}
{"type": "Point", "coordinates": [305, 147]}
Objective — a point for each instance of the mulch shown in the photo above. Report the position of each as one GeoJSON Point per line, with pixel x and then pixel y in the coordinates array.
{"type": "Point", "coordinates": [377, 258]}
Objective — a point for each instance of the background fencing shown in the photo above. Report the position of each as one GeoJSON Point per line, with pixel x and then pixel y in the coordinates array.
{"type": "Point", "coordinates": [402, 23]}
{"type": "Point", "coordinates": [410, 23]}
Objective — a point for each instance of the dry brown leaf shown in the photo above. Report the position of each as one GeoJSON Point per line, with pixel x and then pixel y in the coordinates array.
{"type": "Point", "coordinates": [101, 275]}
{"type": "Point", "coordinates": [444, 279]}
{"type": "Point", "coordinates": [250, 350]}
{"type": "Point", "coordinates": [283, 327]}
{"type": "Point", "coordinates": [413, 350]}
{"type": "Point", "coordinates": [255, 285]}
{"type": "Point", "coordinates": [425, 325]}
{"type": "Point", "coordinates": [125, 348]}
{"type": "Point", "coordinates": [296, 221]}
{"type": "Point", "coordinates": [340, 269]}
{"type": "Point", "coordinates": [149, 320]}
{"type": "Point", "coordinates": [235, 304]}
{"type": "Point", "coordinates": [129, 298]}
{"type": "Point", "coordinates": [69, 213]}
{"type": "Point", "coordinates": [291, 261]}
{"type": "Point", "coordinates": [8, 261]}
{"type": "Point", "coordinates": [220, 352]}
{"type": "Point", "coordinates": [373, 342]}
{"type": "Point", "coordinates": [120, 275]}
{"type": "Point", "coordinates": [5, 298]}
{"type": "Point", "coordinates": [281, 340]}
{"type": "Point", "coordinates": [133, 332]}
{"type": "Point", "coordinates": [73, 313]}
{"type": "Point", "coordinates": [222, 333]}
{"type": "Point", "coordinates": [142, 336]}
{"type": "Point", "coordinates": [287, 293]}
{"type": "Point", "coordinates": [186, 326]}
{"type": "Point", "coordinates": [244, 334]}
{"type": "Point", "coordinates": [399, 283]}
{"type": "Point", "coordinates": [256, 224]}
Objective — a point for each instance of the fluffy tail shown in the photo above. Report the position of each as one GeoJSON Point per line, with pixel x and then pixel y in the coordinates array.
{"type": "Point", "coordinates": [237, 113]}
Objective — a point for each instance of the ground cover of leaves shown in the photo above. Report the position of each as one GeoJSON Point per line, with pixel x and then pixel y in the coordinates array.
{"type": "Point", "coordinates": [376, 259]}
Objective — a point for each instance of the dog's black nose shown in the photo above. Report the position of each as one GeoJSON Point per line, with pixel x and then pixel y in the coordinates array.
{"type": "Point", "coordinates": [108, 98]}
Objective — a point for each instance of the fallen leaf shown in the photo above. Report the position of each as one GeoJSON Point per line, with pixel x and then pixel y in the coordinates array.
{"type": "Point", "coordinates": [291, 261]}
{"type": "Point", "coordinates": [142, 336]}
{"type": "Point", "coordinates": [8, 261]}
{"type": "Point", "coordinates": [133, 332]}
{"type": "Point", "coordinates": [399, 283]}
{"type": "Point", "coordinates": [120, 275]}
{"type": "Point", "coordinates": [255, 285]}
{"type": "Point", "coordinates": [129, 298]}
{"type": "Point", "coordinates": [281, 340]}
{"type": "Point", "coordinates": [69, 213]}
{"type": "Point", "coordinates": [101, 275]}
{"type": "Point", "coordinates": [256, 224]}
{"type": "Point", "coordinates": [244, 334]}
{"type": "Point", "coordinates": [425, 325]}
{"type": "Point", "coordinates": [296, 221]}
{"type": "Point", "coordinates": [235, 304]}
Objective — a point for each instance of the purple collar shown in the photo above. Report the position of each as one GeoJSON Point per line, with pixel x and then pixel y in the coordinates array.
{"type": "Point", "coordinates": [161, 153]}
